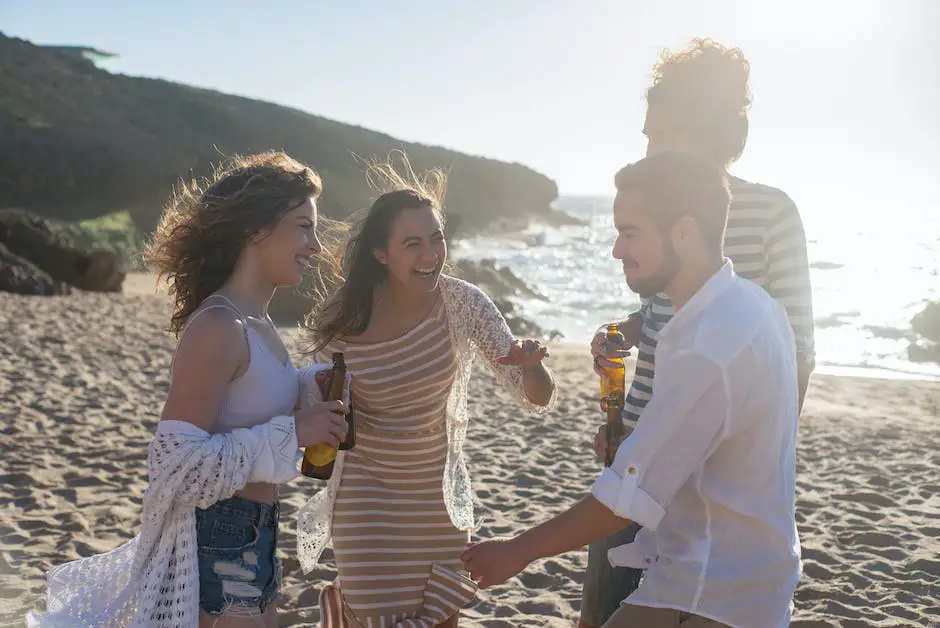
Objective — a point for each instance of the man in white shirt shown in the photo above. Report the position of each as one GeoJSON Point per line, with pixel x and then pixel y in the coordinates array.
{"type": "Point", "coordinates": [710, 471]}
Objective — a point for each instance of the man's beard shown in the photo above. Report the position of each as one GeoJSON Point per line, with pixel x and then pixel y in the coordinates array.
{"type": "Point", "coordinates": [651, 286]}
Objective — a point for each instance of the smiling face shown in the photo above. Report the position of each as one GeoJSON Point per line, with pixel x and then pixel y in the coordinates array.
{"type": "Point", "coordinates": [287, 252]}
{"type": "Point", "coordinates": [415, 253]}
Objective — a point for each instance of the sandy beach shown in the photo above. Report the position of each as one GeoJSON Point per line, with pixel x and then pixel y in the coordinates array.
{"type": "Point", "coordinates": [83, 378]}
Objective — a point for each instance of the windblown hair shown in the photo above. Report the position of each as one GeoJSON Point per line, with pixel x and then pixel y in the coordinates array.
{"type": "Point", "coordinates": [675, 184]}
{"type": "Point", "coordinates": [703, 94]}
{"type": "Point", "coordinates": [208, 222]}
{"type": "Point", "coordinates": [346, 309]}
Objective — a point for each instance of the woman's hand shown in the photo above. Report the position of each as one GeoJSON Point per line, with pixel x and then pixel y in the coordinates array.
{"type": "Point", "coordinates": [536, 378]}
{"type": "Point", "coordinates": [324, 379]}
{"type": "Point", "coordinates": [525, 353]}
{"type": "Point", "coordinates": [323, 422]}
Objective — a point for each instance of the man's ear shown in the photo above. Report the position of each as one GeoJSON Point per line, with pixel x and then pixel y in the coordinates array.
{"type": "Point", "coordinates": [685, 230]}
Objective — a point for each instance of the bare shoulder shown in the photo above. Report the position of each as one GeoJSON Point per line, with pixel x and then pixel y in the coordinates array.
{"type": "Point", "coordinates": [215, 335]}
{"type": "Point", "coordinates": [211, 353]}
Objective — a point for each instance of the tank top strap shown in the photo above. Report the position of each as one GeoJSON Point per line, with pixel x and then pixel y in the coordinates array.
{"type": "Point", "coordinates": [226, 304]}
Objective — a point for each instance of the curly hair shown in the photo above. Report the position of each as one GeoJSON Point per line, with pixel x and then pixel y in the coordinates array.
{"type": "Point", "coordinates": [703, 93]}
{"type": "Point", "coordinates": [208, 222]}
{"type": "Point", "coordinates": [347, 309]}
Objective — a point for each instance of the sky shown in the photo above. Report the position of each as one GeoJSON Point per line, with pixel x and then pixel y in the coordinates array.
{"type": "Point", "coordinates": [845, 91]}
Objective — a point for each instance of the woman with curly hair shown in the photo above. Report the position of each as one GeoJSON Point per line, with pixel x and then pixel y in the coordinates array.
{"type": "Point", "coordinates": [229, 433]}
{"type": "Point", "coordinates": [399, 506]}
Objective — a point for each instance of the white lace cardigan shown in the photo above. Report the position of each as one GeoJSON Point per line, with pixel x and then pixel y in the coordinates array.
{"type": "Point", "coordinates": [152, 581]}
{"type": "Point", "coordinates": [477, 329]}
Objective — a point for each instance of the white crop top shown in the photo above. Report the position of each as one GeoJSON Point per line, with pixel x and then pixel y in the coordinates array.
{"type": "Point", "coordinates": [268, 387]}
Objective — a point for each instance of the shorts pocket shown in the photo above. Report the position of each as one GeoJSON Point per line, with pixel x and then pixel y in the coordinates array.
{"type": "Point", "coordinates": [226, 535]}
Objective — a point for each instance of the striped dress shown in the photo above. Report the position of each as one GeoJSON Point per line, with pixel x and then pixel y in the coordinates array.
{"type": "Point", "coordinates": [397, 552]}
{"type": "Point", "coordinates": [767, 245]}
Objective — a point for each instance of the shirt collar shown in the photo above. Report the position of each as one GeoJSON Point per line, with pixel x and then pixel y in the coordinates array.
{"type": "Point", "coordinates": [719, 282]}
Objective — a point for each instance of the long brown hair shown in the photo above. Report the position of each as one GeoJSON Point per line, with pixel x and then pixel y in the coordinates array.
{"type": "Point", "coordinates": [347, 309]}
{"type": "Point", "coordinates": [208, 222]}
{"type": "Point", "coordinates": [703, 92]}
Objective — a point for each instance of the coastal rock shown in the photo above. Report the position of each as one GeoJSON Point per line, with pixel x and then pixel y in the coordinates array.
{"type": "Point", "coordinates": [503, 286]}
{"type": "Point", "coordinates": [927, 325]}
{"type": "Point", "coordinates": [922, 352]}
{"type": "Point", "coordinates": [20, 276]}
{"type": "Point", "coordinates": [47, 248]}
{"type": "Point", "coordinates": [523, 327]}
{"type": "Point", "coordinates": [498, 283]}
{"type": "Point", "coordinates": [927, 322]}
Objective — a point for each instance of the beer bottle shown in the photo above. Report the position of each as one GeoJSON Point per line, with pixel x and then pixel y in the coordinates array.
{"type": "Point", "coordinates": [612, 396]}
{"type": "Point", "coordinates": [319, 459]}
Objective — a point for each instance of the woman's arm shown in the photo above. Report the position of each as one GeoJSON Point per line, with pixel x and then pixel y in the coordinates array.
{"type": "Point", "coordinates": [210, 353]}
{"type": "Point", "coordinates": [520, 370]}
{"type": "Point", "coordinates": [537, 379]}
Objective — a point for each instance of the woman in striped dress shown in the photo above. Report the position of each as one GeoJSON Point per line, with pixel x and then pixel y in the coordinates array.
{"type": "Point", "coordinates": [397, 504]}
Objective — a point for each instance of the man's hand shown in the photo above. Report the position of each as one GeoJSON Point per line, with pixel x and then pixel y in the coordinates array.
{"type": "Point", "coordinates": [632, 329]}
{"type": "Point", "coordinates": [600, 442]}
{"type": "Point", "coordinates": [495, 561]}
{"type": "Point", "coordinates": [604, 350]}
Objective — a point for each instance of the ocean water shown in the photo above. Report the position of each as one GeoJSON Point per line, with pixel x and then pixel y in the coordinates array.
{"type": "Point", "coordinates": [870, 276]}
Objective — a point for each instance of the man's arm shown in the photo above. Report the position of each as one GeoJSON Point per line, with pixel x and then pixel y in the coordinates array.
{"type": "Point", "coordinates": [496, 561]}
{"type": "Point", "coordinates": [686, 419]}
{"type": "Point", "coordinates": [789, 283]}
{"type": "Point", "coordinates": [804, 368]}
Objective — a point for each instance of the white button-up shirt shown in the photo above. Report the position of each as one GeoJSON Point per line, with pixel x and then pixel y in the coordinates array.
{"type": "Point", "coordinates": [709, 471]}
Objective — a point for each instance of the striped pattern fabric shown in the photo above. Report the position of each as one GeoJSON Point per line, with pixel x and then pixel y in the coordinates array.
{"type": "Point", "coordinates": [397, 552]}
{"type": "Point", "coordinates": [767, 245]}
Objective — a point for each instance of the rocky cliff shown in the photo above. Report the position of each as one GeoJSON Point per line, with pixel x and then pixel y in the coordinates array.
{"type": "Point", "coordinates": [77, 142]}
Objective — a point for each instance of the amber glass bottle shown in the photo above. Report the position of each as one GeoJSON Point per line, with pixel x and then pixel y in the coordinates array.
{"type": "Point", "coordinates": [612, 396]}
{"type": "Point", "coordinates": [319, 459]}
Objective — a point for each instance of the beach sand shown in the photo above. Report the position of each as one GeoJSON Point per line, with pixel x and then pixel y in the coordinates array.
{"type": "Point", "coordinates": [83, 378]}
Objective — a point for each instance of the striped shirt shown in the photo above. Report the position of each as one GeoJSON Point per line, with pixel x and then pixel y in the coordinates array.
{"type": "Point", "coordinates": [766, 243]}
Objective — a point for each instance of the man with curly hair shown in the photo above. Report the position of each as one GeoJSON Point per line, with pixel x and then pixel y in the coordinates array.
{"type": "Point", "coordinates": [698, 102]}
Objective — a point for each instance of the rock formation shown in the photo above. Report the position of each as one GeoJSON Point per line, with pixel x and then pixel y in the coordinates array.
{"type": "Point", "coordinates": [926, 324]}
{"type": "Point", "coordinates": [79, 142]}
{"type": "Point", "coordinates": [38, 257]}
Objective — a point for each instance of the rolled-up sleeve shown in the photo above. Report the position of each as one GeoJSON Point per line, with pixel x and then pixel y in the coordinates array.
{"type": "Point", "coordinates": [681, 427]}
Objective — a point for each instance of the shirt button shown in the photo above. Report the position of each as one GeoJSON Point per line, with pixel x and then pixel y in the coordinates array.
{"type": "Point", "coordinates": [631, 470]}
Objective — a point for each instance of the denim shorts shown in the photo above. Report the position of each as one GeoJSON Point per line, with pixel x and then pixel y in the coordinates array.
{"type": "Point", "coordinates": [239, 572]}
{"type": "Point", "coordinates": [605, 586]}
